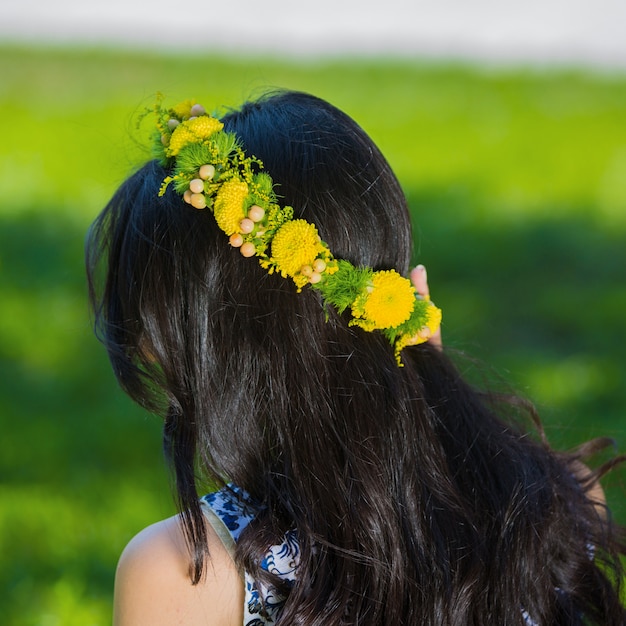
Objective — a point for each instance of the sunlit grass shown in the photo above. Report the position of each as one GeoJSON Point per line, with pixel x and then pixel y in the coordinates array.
{"type": "Point", "coordinates": [517, 183]}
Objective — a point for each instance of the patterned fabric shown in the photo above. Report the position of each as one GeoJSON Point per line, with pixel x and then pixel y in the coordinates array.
{"type": "Point", "coordinates": [528, 620]}
{"type": "Point", "coordinates": [263, 605]}
{"type": "Point", "coordinates": [236, 509]}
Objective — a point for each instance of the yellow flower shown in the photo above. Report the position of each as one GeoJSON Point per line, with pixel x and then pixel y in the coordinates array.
{"type": "Point", "coordinates": [433, 321]}
{"type": "Point", "coordinates": [294, 245]}
{"type": "Point", "coordinates": [192, 131]}
{"type": "Point", "coordinates": [228, 207]}
{"type": "Point", "coordinates": [183, 109]}
{"type": "Point", "coordinates": [387, 303]}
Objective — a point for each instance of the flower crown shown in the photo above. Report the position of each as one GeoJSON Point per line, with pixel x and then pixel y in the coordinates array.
{"type": "Point", "coordinates": [211, 170]}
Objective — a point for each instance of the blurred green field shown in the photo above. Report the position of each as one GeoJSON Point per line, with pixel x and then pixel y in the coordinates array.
{"type": "Point", "coordinates": [517, 183]}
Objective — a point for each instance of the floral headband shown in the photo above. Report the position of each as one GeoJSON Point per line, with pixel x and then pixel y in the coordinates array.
{"type": "Point", "coordinates": [211, 170]}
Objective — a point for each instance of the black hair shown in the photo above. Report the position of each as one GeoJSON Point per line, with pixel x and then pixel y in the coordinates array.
{"type": "Point", "coordinates": [417, 498]}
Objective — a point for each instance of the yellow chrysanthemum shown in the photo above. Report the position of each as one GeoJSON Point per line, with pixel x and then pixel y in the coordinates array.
{"type": "Point", "coordinates": [294, 245]}
{"type": "Point", "coordinates": [183, 109]}
{"type": "Point", "coordinates": [228, 208]}
{"type": "Point", "coordinates": [192, 131]}
{"type": "Point", "coordinates": [433, 322]}
{"type": "Point", "coordinates": [388, 302]}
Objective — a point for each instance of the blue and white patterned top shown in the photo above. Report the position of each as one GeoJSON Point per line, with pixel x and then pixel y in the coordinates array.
{"type": "Point", "coordinates": [236, 509]}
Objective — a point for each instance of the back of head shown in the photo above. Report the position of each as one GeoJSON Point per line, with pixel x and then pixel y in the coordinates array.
{"type": "Point", "coordinates": [225, 340]}
{"type": "Point", "coordinates": [397, 480]}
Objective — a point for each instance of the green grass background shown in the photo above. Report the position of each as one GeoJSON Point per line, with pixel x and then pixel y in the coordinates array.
{"type": "Point", "coordinates": [517, 183]}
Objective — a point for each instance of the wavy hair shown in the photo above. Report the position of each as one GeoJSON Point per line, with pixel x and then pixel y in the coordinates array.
{"type": "Point", "coordinates": [417, 498]}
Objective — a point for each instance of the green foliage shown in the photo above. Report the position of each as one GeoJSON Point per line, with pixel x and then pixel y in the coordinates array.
{"type": "Point", "coordinates": [342, 288]}
{"type": "Point", "coordinates": [225, 144]}
{"type": "Point", "coordinates": [517, 184]}
{"type": "Point", "coordinates": [265, 185]}
{"type": "Point", "coordinates": [192, 157]}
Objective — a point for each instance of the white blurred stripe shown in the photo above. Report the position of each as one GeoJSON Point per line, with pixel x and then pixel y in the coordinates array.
{"type": "Point", "coordinates": [534, 30]}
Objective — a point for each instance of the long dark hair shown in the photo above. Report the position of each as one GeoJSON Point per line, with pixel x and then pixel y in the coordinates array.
{"type": "Point", "coordinates": [416, 498]}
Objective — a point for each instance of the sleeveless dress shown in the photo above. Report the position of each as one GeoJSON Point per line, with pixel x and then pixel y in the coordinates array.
{"type": "Point", "coordinates": [229, 511]}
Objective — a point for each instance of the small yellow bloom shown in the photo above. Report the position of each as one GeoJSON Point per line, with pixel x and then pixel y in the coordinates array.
{"type": "Point", "coordinates": [192, 131]}
{"type": "Point", "coordinates": [228, 207]}
{"type": "Point", "coordinates": [388, 302]}
{"type": "Point", "coordinates": [295, 245]}
{"type": "Point", "coordinates": [434, 318]}
{"type": "Point", "coordinates": [183, 109]}
{"type": "Point", "coordinates": [433, 321]}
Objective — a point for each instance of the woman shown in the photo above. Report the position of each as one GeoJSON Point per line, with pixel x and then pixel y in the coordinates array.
{"type": "Point", "coordinates": [361, 479]}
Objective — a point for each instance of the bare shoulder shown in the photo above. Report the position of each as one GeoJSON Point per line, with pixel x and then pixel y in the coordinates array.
{"type": "Point", "coordinates": [153, 588]}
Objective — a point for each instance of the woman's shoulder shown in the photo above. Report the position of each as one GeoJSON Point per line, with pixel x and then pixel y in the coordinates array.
{"type": "Point", "coordinates": [153, 587]}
